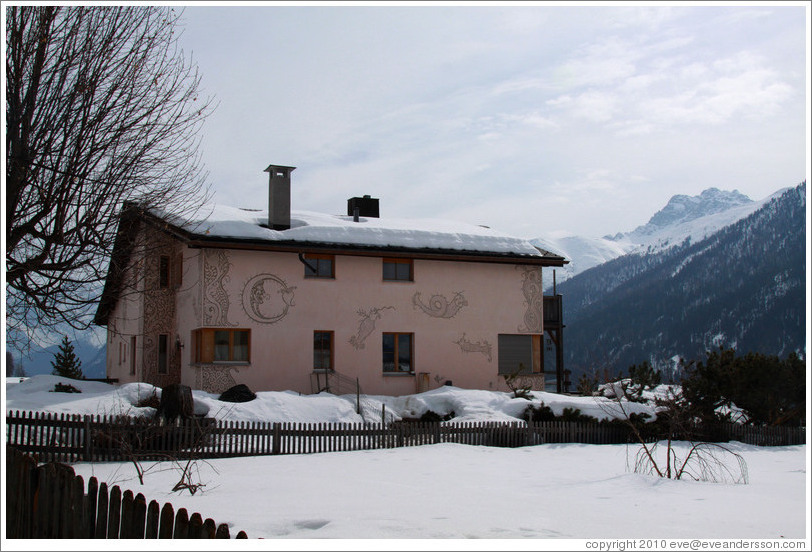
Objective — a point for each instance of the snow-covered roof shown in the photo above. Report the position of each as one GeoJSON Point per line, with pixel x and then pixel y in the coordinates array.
{"type": "Point", "coordinates": [308, 227]}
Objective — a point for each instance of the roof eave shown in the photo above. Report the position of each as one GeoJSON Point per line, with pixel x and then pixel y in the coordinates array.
{"type": "Point", "coordinates": [295, 246]}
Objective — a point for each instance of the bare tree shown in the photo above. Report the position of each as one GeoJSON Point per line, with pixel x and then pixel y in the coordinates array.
{"type": "Point", "coordinates": [102, 107]}
{"type": "Point", "coordinates": [685, 456]}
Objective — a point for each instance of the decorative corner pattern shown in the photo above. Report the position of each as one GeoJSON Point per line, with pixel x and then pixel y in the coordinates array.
{"type": "Point", "coordinates": [216, 267]}
{"type": "Point", "coordinates": [215, 379]}
{"type": "Point", "coordinates": [533, 299]}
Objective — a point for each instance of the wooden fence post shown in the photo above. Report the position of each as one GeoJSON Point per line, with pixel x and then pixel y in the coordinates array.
{"type": "Point", "coordinates": [127, 499]}
{"type": "Point", "coordinates": [167, 522]}
{"type": "Point", "coordinates": [114, 513]}
{"type": "Point", "coordinates": [209, 529]}
{"type": "Point", "coordinates": [76, 521]}
{"type": "Point", "coordinates": [90, 503]}
{"type": "Point", "coordinates": [139, 516]}
{"type": "Point", "coordinates": [86, 435]}
{"type": "Point", "coordinates": [152, 521]}
{"type": "Point", "coordinates": [195, 526]}
{"type": "Point", "coordinates": [181, 525]}
{"type": "Point", "coordinates": [276, 436]}
{"type": "Point", "coordinates": [103, 511]}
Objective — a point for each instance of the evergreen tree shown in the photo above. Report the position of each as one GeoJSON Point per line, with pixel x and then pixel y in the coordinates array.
{"type": "Point", "coordinates": [66, 363]}
{"type": "Point", "coordinates": [770, 390]}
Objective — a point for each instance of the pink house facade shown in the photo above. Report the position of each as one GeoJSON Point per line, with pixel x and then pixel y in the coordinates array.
{"type": "Point", "coordinates": [301, 301]}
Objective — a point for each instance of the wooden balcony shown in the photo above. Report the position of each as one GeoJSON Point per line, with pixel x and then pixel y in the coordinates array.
{"type": "Point", "coordinates": [553, 312]}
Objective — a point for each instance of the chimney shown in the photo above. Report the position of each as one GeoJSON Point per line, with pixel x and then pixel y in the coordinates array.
{"type": "Point", "coordinates": [363, 206]}
{"type": "Point", "coordinates": [279, 196]}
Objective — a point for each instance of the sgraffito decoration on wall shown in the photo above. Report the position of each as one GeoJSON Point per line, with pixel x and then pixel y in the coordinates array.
{"type": "Point", "coordinates": [215, 298]}
{"type": "Point", "coordinates": [439, 306]}
{"type": "Point", "coordinates": [533, 299]}
{"type": "Point", "coordinates": [266, 298]}
{"type": "Point", "coordinates": [482, 346]}
{"type": "Point", "coordinates": [215, 379]}
{"type": "Point", "coordinates": [366, 325]}
{"type": "Point", "coordinates": [159, 318]}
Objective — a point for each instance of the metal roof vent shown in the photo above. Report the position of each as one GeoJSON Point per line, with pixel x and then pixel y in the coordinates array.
{"type": "Point", "coordinates": [366, 206]}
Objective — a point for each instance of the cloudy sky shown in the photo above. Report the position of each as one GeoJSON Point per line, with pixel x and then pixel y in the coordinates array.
{"type": "Point", "coordinates": [534, 119]}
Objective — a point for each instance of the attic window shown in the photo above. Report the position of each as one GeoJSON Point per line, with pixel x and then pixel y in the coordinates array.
{"type": "Point", "coordinates": [320, 266]}
{"type": "Point", "coordinates": [398, 270]}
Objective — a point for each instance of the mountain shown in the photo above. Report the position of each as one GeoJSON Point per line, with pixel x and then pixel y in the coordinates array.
{"type": "Point", "coordinates": [741, 286]}
{"type": "Point", "coordinates": [38, 360]}
{"type": "Point", "coordinates": [684, 217]}
{"type": "Point", "coordinates": [682, 209]}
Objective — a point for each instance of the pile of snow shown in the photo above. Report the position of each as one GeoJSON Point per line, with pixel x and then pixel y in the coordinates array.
{"type": "Point", "coordinates": [467, 405]}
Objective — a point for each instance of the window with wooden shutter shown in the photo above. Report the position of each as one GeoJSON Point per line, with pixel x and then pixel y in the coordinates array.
{"type": "Point", "coordinates": [213, 345]}
{"type": "Point", "coordinates": [519, 354]}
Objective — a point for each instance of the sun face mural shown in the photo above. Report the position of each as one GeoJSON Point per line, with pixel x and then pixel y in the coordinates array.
{"type": "Point", "coordinates": [267, 298]}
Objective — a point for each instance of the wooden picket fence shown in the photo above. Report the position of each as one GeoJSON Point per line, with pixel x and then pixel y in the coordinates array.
{"type": "Point", "coordinates": [73, 438]}
{"type": "Point", "coordinates": [48, 501]}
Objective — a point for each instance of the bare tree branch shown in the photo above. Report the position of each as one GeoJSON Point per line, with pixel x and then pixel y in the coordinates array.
{"type": "Point", "coordinates": [102, 108]}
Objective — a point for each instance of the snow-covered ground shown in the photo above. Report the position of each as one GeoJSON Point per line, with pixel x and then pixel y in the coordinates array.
{"type": "Point", "coordinates": [545, 494]}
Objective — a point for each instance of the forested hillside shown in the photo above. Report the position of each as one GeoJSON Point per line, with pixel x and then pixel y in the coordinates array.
{"type": "Point", "coordinates": [742, 287]}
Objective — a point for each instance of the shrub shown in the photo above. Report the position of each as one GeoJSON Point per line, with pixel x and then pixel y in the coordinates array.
{"type": "Point", "coordinates": [150, 400]}
{"type": "Point", "coordinates": [64, 388]}
{"type": "Point", "coordinates": [431, 416]}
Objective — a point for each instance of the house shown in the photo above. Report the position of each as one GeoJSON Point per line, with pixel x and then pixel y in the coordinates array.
{"type": "Point", "coordinates": [302, 301]}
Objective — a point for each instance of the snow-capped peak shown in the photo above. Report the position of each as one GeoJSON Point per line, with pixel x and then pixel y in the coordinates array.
{"type": "Point", "coordinates": [682, 208]}
{"type": "Point", "coordinates": [683, 217]}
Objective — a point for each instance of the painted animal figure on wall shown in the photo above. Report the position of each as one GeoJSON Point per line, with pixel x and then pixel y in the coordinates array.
{"type": "Point", "coordinates": [439, 306]}
{"type": "Point", "coordinates": [366, 325]}
{"type": "Point", "coordinates": [482, 347]}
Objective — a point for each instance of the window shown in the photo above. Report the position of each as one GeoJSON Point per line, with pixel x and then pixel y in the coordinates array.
{"type": "Point", "coordinates": [398, 353]}
{"type": "Point", "coordinates": [398, 270]}
{"type": "Point", "coordinates": [519, 354]}
{"type": "Point", "coordinates": [132, 355]}
{"type": "Point", "coordinates": [319, 266]}
{"type": "Point", "coordinates": [322, 350]}
{"type": "Point", "coordinates": [163, 353]}
{"type": "Point", "coordinates": [221, 345]}
{"type": "Point", "coordinates": [163, 272]}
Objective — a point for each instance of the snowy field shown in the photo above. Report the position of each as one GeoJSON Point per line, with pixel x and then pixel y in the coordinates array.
{"type": "Point", "coordinates": [536, 497]}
